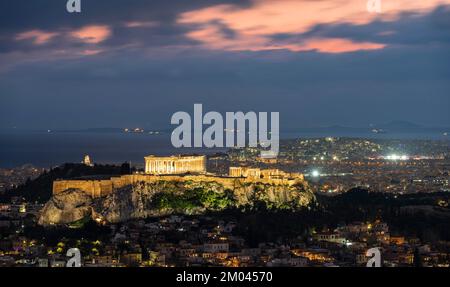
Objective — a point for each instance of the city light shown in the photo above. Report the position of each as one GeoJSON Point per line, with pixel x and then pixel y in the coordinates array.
{"type": "Point", "coordinates": [396, 157]}
{"type": "Point", "coordinates": [315, 173]}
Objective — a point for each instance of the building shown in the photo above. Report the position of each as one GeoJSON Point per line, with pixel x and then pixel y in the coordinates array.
{"type": "Point", "coordinates": [175, 164]}
{"type": "Point", "coordinates": [245, 172]}
{"type": "Point", "coordinates": [256, 173]}
{"type": "Point", "coordinates": [131, 259]}
{"type": "Point", "coordinates": [330, 237]}
{"type": "Point", "coordinates": [214, 247]}
{"type": "Point", "coordinates": [87, 160]}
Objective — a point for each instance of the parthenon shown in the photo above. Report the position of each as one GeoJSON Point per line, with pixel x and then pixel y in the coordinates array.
{"type": "Point", "coordinates": [177, 168]}
{"type": "Point", "coordinates": [175, 164]}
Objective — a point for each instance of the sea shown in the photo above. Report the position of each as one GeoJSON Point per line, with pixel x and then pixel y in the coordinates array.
{"type": "Point", "coordinates": [49, 149]}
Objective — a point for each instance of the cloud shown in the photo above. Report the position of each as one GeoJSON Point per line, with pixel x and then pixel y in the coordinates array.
{"type": "Point", "coordinates": [409, 30]}
{"type": "Point", "coordinates": [213, 38]}
{"type": "Point", "coordinates": [91, 52]}
{"type": "Point", "coordinates": [92, 34]}
{"type": "Point", "coordinates": [155, 28]}
{"type": "Point", "coordinates": [140, 24]}
{"type": "Point", "coordinates": [336, 45]}
{"type": "Point", "coordinates": [38, 37]}
{"type": "Point", "coordinates": [304, 54]}
{"type": "Point", "coordinates": [255, 25]}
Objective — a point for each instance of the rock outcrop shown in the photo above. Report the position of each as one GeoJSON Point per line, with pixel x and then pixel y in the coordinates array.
{"type": "Point", "coordinates": [67, 207]}
{"type": "Point", "coordinates": [161, 198]}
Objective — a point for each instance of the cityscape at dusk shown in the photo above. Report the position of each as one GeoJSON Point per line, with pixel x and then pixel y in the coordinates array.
{"type": "Point", "coordinates": [236, 134]}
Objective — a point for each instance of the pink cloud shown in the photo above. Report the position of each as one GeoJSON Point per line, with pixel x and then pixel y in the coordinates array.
{"type": "Point", "coordinates": [140, 24]}
{"type": "Point", "coordinates": [212, 38]}
{"type": "Point", "coordinates": [254, 25]}
{"type": "Point", "coordinates": [92, 34]}
{"type": "Point", "coordinates": [91, 52]}
{"type": "Point", "coordinates": [337, 45]}
{"type": "Point", "coordinates": [38, 37]}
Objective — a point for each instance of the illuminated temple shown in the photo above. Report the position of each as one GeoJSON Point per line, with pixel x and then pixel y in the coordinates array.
{"type": "Point", "coordinates": [175, 164]}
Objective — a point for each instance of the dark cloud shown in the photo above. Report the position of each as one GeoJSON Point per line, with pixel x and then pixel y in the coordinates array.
{"type": "Point", "coordinates": [409, 29]}
{"type": "Point", "coordinates": [48, 14]}
{"type": "Point", "coordinates": [143, 74]}
{"type": "Point", "coordinates": [17, 16]}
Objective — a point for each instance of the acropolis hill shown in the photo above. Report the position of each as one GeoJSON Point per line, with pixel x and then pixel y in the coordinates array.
{"type": "Point", "coordinates": [178, 169]}
{"type": "Point", "coordinates": [176, 184]}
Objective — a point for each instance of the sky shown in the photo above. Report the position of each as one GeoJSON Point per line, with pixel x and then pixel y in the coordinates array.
{"type": "Point", "coordinates": [134, 63]}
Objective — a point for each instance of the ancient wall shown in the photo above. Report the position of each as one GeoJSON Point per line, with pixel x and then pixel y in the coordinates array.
{"type": "Point", "coordinates": [95, 188]}
{"type": "Point", "coordinates": [99, 188]}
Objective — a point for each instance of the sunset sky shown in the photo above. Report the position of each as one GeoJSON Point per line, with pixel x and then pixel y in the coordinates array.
{"type": "Point", "coordinates": [135, 63]}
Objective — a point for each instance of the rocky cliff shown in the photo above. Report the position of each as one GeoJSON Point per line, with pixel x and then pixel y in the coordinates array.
{"type": "Point", "coordinates": [161, 198]}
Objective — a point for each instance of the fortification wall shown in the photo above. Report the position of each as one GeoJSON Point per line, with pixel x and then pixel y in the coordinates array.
{"type": "Point", "coordinates": [95, 188]}
{"type": "Point", "coordinates": [99, 188]}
